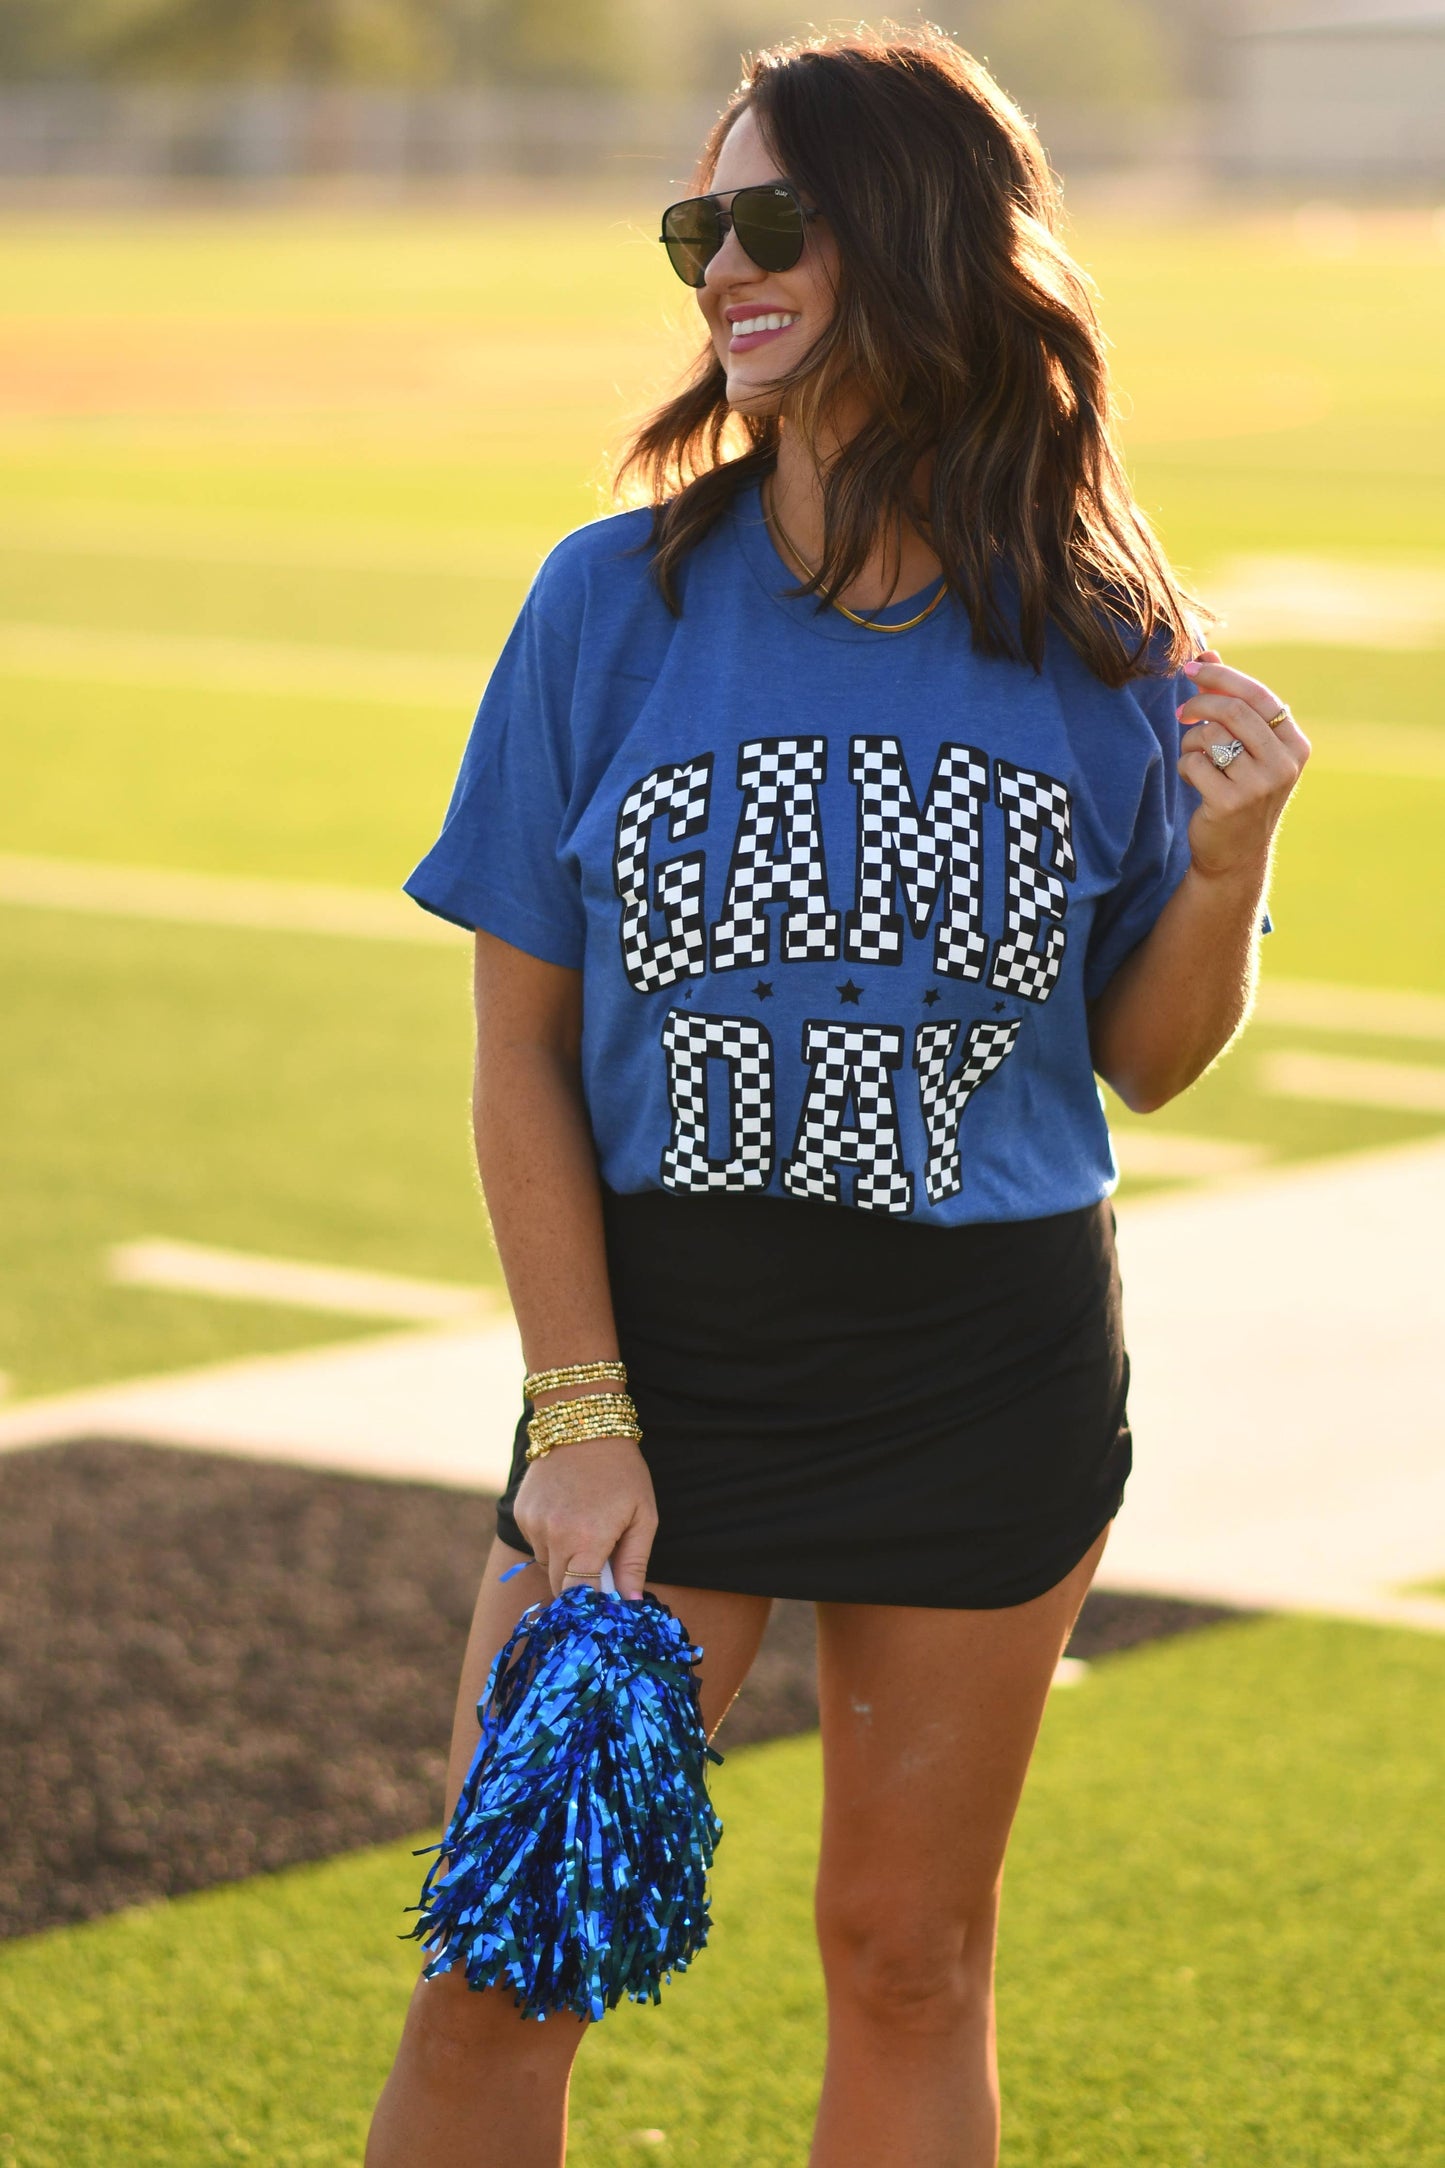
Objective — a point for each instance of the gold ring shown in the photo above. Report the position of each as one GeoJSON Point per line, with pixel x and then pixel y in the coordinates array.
{"type": "Point", "coordinates": [1274, 721]}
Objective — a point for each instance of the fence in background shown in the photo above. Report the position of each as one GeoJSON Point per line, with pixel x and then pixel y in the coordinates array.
{"type": "Point", "coordinates": [251, 136]}
{"type": "Point", "coordinates": [258, 134]}
{"type": "Point", "coordinates": [1355, 114]}
{"type": "Point", "coordinates": [1353, 92]}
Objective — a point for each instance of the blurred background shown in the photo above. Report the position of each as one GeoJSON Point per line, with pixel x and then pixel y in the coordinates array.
{"type": "Point", "coordinates": [319, 320]}
{"type": "Point", "coordinates": [252, 92]}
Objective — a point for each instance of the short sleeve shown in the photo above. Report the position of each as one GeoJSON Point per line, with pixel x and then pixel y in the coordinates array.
{"type": "Point", "coordinates": [1157, 855]}
{"type": "Point", "coordinates": [497, 864]}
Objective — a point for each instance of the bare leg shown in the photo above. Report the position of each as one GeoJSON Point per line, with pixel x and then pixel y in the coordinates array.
{"type": "Point", "coordinates": [929, 1721]}
{"type": "Point", "coordinates": [474, 2084]}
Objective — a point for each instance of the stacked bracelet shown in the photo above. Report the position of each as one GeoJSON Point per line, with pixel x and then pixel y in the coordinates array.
{"type": "Point", "coordinates": [570, 1422]}
{"type": "Point", "coordinates": [546, 1381]}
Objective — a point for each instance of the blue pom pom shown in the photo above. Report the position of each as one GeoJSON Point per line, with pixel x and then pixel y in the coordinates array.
{"type": "Point", "coordinates": [574, 1869]}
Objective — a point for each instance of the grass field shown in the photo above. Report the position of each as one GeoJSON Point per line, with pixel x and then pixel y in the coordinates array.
{"type": "Point", "coordinates": [273, 489]}
{"type": "Point", "coordinates": [1220, 1950]}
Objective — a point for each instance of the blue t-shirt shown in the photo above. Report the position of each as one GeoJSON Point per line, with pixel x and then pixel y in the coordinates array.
{"type": "Point", "coordinates": [839, 898]}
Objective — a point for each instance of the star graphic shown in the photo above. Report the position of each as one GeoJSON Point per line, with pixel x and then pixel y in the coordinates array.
{"type": "Point", "coordinates": [764, 989]}
{"type": "Point", "coordinates": [687, 993]}
{"type": "Point", "coordinates": [931, 996]}
{"type": "Point", "coordinates": [998, 1008]}
{"type": "Point", "coordinates": [849, 992]}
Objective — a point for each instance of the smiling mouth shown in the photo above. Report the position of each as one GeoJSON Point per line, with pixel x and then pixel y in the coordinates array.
{"type": "Point", "coordinates": [750, 331]}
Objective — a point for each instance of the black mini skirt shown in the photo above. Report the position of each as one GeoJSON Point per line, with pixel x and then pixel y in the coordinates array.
{"type": "Point", "coordinates": [842, 1406]}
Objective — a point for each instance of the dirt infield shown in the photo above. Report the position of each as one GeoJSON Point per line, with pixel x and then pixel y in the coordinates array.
{"type": "Point", "coordinates": [211, 1668]}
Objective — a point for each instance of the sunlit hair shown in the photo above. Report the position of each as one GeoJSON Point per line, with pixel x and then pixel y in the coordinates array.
{"type": "Point", "coordinates": [971, 335]}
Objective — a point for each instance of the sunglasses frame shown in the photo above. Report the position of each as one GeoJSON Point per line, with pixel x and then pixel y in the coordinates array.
{"type": "Point", "coordinates": [727, 224]}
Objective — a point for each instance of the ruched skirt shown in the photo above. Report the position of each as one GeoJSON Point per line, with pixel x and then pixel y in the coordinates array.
{"type": "Point", "coordinates": [847, 1407]}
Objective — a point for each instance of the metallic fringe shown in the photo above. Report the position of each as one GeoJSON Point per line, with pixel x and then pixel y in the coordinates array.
{"type": "Point", "coordinates": [574, 1869]}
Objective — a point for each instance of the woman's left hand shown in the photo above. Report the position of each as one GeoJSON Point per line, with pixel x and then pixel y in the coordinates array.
{"type": "Point", "coordinates": [1231, 830]}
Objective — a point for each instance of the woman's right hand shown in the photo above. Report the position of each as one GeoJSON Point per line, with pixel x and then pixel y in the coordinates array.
{"type": "Point", "coordinates": [582, 1504]}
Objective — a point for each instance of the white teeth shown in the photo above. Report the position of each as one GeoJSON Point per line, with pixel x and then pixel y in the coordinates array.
{"type": "Point", "coordinates": [777, 320]}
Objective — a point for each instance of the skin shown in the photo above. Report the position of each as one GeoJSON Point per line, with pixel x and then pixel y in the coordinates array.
{"type": "Point", "coordinates": [928, 1716]}
{"type": "Point", "coordinates": [735, 286]}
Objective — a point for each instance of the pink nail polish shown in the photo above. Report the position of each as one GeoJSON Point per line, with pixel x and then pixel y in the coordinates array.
{"type": "Point", "coordinates": [1189, 668]}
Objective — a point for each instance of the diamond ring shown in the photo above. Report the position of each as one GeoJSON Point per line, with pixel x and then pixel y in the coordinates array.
{"type": "Point", "coordinates": [1222, 755]}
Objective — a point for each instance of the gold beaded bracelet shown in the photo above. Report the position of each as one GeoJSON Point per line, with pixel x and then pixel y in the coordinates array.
{"type": "Point", "coordinates": [586, 1408]}
{"type": "Point", "coordinates": [546, 1381]}
{"type": "Point", "coordinates": [546, 1441]}
{"type": "Point", "coordinates": [583, 1414]}
{"type": "Point", "coordinates": [572, 1422]}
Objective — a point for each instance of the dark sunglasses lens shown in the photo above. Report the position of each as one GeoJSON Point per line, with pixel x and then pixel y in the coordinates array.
{"type": "Point", "coordinates": [769, 224]}
{"type": "Point", "coordinates": [692, 236]}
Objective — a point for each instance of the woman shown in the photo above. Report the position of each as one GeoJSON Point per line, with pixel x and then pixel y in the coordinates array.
{"type": "Point", "coordinates": [824, 831]}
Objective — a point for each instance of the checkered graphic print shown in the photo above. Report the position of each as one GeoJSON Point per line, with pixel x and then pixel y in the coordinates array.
{"type": "Point", "coordinates": [850, 1061]}
{"type": "Point", "coordinates": [691, 1042]}
{"type": "Point", "coordinates": [918, 852]}
{"type": "Point", "coordinates": [1034, 806]}
{"type": "Point", "coordinates": [680, 792]}
{"type": "Point", "coordinates": [780, 777]}
{"type": "Point", "coordinates": [945, 1097]}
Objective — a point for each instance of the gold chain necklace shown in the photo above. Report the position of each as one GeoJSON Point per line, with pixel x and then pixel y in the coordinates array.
{"type": "Point", "coordinates": [870, 623]}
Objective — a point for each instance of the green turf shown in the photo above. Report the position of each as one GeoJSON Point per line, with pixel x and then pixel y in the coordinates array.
{"type": "Point", "coordinates": [296, 789]}
{"type": "Point", "coordinates": [292, 1095]}
{"type": "Point", "coordinates": [1220, 1950]}
{"type": "Point", "coordinates": [1358, 886]}
{"type": "Point", "coordinates": [384, 605]}
{"type": "Point", "coordinates": [525, 270]}
{"type": "Point", "coordinates": [359, 433]}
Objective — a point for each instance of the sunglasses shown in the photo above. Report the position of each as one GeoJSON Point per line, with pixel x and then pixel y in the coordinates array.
{"type": "Point", "coordinates": [770, 221]}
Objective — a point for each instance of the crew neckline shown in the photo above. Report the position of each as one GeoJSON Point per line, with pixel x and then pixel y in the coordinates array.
{"type": "Point", "coordinates": [775, 576]}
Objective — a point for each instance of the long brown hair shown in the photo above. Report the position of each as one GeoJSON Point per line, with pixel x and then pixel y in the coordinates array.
{"type": "Point", "coordinates": [971, 334]}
